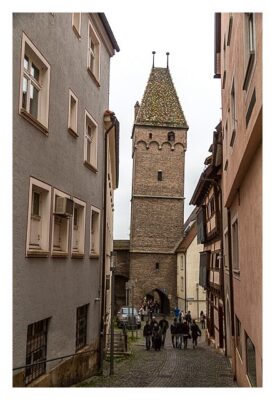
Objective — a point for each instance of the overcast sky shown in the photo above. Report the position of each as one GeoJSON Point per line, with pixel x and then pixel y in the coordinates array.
{"type": "Point", "coordinates": [189, 37]}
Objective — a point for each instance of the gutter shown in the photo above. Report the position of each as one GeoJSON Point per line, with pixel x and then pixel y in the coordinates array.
{"type": "Point", "coordinates": [103, 270]}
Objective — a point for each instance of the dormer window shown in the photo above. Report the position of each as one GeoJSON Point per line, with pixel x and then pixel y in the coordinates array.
{"type": "Point", "coordinates": [171, 136]}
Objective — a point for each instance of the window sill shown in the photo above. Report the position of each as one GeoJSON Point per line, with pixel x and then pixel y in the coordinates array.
{"type": "Point", "coordinates": [34, 121]}
{"type": "Point", "coordinates": [90, 166]}
{"type": "Point", "coordinates": [94, 255]}
{"type": "Point", "coordinates": [37, 253]}
{"type": "Point", "coordinates": [59, 254]}
{"type": "Point", "coordinates": [94, 78]}
{"type": "Point", "coordinates": [77, 255]}
{"type": "Point", "coordinates": [73, 132]}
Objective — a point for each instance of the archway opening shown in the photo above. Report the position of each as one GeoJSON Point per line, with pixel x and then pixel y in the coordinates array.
{"type": "Point", "coordinates": [158, 298]}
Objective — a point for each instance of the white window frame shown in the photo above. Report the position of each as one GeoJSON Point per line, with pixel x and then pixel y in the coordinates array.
{"type": "Point", "coordinates": [95, 242]}
{"type": "Point", "coordinates": [72, 114]}
{"type": "Point", "coordinates": [41, 221]}
{"type": "Point", "coordinates": [78, 232]}
{"type": "Point", "coordinates": [90, 161]}
{"type": "Point", "coordinates": [42, 85]}
{"type": "Point", "coordinates": [76, 24]}
{"type": "Point", "coordinates": [64, 228]}
{"type": "Point", "coordinates": [93, 53]}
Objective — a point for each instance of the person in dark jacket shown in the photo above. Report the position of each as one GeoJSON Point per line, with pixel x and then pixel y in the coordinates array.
{"type": "Point", "coordinates": [147, 333]}
{"type": "Point", "coordinates": [174, 332]}
{"type": "Point", "coordinates": [186, 333]}
{"type": "Point", "coordinates": [195, 332]}
{"type": "Point", "coordinates": [188, 318]}
{"type": "Point", "coordinates": [180, 333]}
{"type": "Point", "coordinates": [163, 324]}
{"type": "Point", "coordinates": [156, 336]}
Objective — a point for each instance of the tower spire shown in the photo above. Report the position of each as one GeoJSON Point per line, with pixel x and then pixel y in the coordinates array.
{"type": "Point", "coordinates": [153, 52]}
{"type": "Point", "coordinates": [167, 54]}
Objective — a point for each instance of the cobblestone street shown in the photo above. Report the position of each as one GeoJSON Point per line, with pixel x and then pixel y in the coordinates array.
{"type": "Point", "coordinates": [200, 367]}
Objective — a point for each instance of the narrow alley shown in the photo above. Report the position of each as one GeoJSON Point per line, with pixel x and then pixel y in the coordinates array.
{"type": "Point", "coordinates": [170, 367]}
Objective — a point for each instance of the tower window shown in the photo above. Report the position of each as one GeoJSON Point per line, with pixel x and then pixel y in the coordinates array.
{"type": "Point", "coordinates": [159, 175]}
{"type": "Point", "coordinates": [157, 266]}
{"type": "Point", "coordinates": [171, 136]}
{"type": "Point", "coordinates": [150, 135]}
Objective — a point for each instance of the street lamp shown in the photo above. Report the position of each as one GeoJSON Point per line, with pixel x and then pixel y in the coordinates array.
{"type": "Point", "coordinates": [112, 269]}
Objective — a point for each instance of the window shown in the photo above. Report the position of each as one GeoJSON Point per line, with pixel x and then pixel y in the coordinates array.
{"type": "Point", "coordinates": [181, 283]}
{"type": "Point", "coordinates": [211, 207]}
{"type": "Point", "coordinates": [93, 53]}
{"type": "Point", "coordinates": [76, 22]}
{"type": "Point", "coordinates": [72, 119]}
{"type": "Point", "coordinates": [181, 262]}
{"type": "Point", "coordinates": [107, 282]}
{"type": "Point", "coordinates": [78, 228]}
{"type": "Point", "coordinates": [60, 224]}
{"type": "Point", "coordinates": [150, 135]}
{"type": "Point", "coordinates": [157, 266]}
{"type": "Point", "coordinates": [233, 110]}
{"type": "Point", "coordinates": [90, 147]}
{"type": "Point", "coordinates": [34, 86]}
{"type": "Point", "coordinates": [159, 175]}
{"type": "Point", "coordinates": [226, 256]}
{"type": "Point", "coordinates": [38, 218]}
{"type": "Point", "coordinates": [171, 136]}
{"type": "Point", "coordinates": [95, 232]}
{"type": "Point", "coordinates": [238, 335]}
{"type": "Point", "coordinates": [81, 327]}
{"type": "Point", "coordinates": [249, 47]}
{"type": "Point", "coordinates": [235, 245]}
{"type": "Point", "coordinates": [229, 29]}
{"type": "Point", "coordinates": [36, 350]}
{"type": "Point", "coordinates": [250, 361]}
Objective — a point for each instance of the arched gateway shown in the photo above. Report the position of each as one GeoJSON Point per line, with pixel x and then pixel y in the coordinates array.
{"type": "Point", "coordinates": [157, 203]}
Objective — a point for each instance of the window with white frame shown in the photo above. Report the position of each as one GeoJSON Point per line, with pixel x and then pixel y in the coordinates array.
{"type": "Point", "coordinates": [235, 245]}
{"type": "Point", "coordinates": [72, 118]}
{"type": "Point", "coordinates": [38, 218]}
{"type": "Point", "coordinates": [62, 210]}
{"type": "Point", "coordinates": [94, 232]}
{"type": "Point", "coordinates": [78, 228]}
{"type": "Point", "coordinates": [93, 52]}
{"type": "Point", "coordinates": [76, 23]}
{"type": "Point", "coordinates": [90, 146]}
{"type": "Point", "coordinates": [35, 85]}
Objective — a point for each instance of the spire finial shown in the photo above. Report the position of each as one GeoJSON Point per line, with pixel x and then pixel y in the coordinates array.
{"type": "Point", "coordinates": [153, 52]}
{"type": "Point", "coordinates": [167, 54]}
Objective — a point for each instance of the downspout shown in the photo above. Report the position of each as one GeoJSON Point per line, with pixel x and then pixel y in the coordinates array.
{"type": "Point", "coordinates": [103, 300]}
{"type": "Point", "coordinates": [233, 345]}
{"type": "Point", "coordinates": [185, 285]}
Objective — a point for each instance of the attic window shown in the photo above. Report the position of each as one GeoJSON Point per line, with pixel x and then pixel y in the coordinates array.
{"type": "Point", "coordinates": [171, 136]}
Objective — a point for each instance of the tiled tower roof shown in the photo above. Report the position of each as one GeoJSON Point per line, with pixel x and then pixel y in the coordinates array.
{"type": "Point", "coordinates": [160, 105]}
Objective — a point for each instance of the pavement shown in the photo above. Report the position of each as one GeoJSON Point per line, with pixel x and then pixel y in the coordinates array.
{"type": "Point", "coordinates": [203, 366]}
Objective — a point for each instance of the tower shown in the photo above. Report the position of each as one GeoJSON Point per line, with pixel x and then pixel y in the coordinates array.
{"type": "Point", "coordinates": [157, 208]}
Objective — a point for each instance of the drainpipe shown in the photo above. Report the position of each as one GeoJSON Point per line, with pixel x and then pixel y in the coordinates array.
{"type": "Point", "coordinates": [185, 285]}
{"type": "Point", "coordinates": [233, 344]}
{"type": "Point", "coordinates": [103, 300]}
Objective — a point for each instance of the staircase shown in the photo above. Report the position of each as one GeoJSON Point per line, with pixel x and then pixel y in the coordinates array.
{"type": "Point", "coordinates": [120, 345]}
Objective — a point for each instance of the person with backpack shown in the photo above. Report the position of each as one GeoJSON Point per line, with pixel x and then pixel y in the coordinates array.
{"type": "Point", "coordinates": [195, 332]}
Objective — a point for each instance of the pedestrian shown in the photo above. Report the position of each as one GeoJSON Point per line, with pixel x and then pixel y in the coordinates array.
{"type": "Point", "coordinates": [147, 333]}
{"type": "Point", "coordinates": [141, 311]}
{"type": "Point", "coordinates": [195, 331]}
{"type": "Point", "coordinates": [188, 317]}
{"type": "Point", "coordinates": [176, 312]}
{"type": "Point", "coordinates": [163, 324]}
{"type": "Point", "coordinates": [186, 333]}
{"type": "Point", "coordinates": [180, 333]}
{"type": "Point", "coordinates": [174, 332]}
{"type": "Point", "coordinates": [156, 336]}
{"type": "Point", "coordinates": [202, 320]}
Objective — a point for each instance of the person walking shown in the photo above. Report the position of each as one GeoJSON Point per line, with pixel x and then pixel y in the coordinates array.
{"type": "Point", "coordinates": [180, 333]}
{"type": "Point", "coordinates": [164, 325]}
{"type": "Point", "coordinates": [147, 333]}
{"type": "Point", "coordinates": [156, 336]}
{"type": "Point", "coordinates": [188, 318]}
{"type": "Point", "coordinates": [195, 332]}
{"type": "Point", "coordinates": [186, 334]}
{"type": "Point", "coordinates": [202, 320]}
{"type": "Point", "coordinates": [174, 332]}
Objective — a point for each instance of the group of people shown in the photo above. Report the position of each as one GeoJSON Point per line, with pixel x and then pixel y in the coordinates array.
{"type": "Point", "coordinates": [182, 329]}
{"type": "Point", "coordinates": [149, 307]}
{"type": "Point", "coordinates": [155, 333]}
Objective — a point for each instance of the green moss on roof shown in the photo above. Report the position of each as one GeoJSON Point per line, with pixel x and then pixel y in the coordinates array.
{"type": "Point", "coordinates": [160, 105]}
